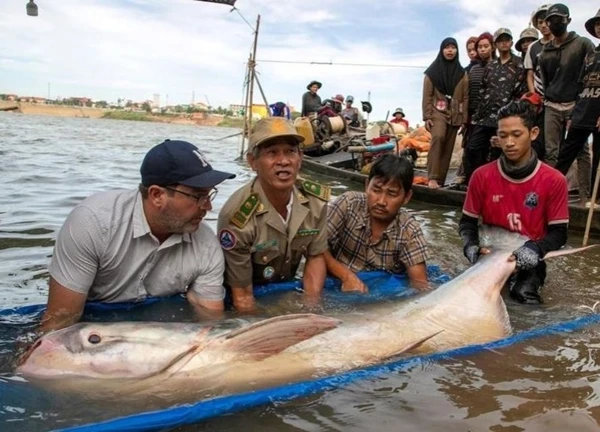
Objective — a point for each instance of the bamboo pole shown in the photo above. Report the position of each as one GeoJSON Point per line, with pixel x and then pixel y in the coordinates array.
{"type": "Point", "coordinates": [252, 75]}
{"type": "Point", "coordinates": [588, 225]}
{"type": "Point", "coordinates": [244, 128]}
{"type": "Point", "coordinates": [250, 90]}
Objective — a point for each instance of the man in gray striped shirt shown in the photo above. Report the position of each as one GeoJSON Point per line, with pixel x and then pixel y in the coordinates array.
{"type": "Point", "coordinates": [127, 245]}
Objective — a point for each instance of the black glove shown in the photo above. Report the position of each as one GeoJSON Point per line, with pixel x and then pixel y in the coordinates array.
{"type": "Point", "coordinates": [471, 251]}
{"type": "Point", "coordinates": [528, 256]}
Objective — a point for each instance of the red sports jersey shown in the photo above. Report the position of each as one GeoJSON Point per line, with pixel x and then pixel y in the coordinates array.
{"type": "Point", "coordinates": [526, 206]}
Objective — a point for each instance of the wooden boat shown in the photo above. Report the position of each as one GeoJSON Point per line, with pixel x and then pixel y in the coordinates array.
{"type": "Point", "coordinates": [340, 166]}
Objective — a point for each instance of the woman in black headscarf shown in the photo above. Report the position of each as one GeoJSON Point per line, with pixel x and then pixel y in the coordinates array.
{"type": "Point", "coordinates": [445, 101]}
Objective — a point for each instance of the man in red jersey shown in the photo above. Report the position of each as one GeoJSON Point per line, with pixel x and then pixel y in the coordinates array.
{"type": "Point", "coordinates": [519, 193]}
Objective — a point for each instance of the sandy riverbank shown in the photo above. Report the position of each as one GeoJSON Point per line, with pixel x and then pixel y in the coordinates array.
{"type": "Point", "coordinates": [199, 119]}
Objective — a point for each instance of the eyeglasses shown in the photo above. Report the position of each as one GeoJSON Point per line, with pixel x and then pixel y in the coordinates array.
{"type": "Point", "coordinates": [200, 199]}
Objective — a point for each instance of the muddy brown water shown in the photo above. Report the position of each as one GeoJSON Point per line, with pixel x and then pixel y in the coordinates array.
{"type": "Point", "coordinates": [49, 164]}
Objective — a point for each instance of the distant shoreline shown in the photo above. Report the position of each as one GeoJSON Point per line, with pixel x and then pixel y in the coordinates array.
{"type": "Point", "coordinates": [198, 119]}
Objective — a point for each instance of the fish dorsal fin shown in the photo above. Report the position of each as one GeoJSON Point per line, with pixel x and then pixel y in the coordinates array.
{"type": "Point", "coordinates": [271, 336]}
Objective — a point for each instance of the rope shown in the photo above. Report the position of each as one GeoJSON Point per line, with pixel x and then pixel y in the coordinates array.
{"type": "Point", "coordinates": [330, 63]}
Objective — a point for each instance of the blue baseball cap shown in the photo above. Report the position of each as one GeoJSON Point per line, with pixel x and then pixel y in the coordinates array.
{"type": "Point", "coordinates": [179, 162]}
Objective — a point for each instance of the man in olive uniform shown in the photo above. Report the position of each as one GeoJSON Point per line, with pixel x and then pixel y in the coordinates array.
{"type": "Point", "coordinates": [267, 226]}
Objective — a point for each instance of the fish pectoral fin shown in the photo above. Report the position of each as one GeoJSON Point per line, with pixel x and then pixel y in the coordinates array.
{"type": "Point", "coordinates": [271, 336]}
{"type": "Point", "coordinates": [562, 252]}
{"type": "Point", "coordinates": [411, 346]}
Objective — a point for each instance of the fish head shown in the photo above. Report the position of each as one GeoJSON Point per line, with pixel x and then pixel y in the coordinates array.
{"type": "Point", "coordinates": [109, 350]}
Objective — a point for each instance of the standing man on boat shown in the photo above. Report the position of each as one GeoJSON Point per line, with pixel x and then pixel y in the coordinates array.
{"type": "Point", "coordinates": [311, 101]}
{"type": "Point", "coordinates": [266, 227]}
{"type": "Point", "coordinates": [399, 118]}
{"type": "Point", "coordinates": [370, 231]}
{"type": "Point", "coordinates": [519, 193]}
{"type": "Point", "coordinates": [350, 113]}
{"type": "Point", "coordinates": [127, 245]}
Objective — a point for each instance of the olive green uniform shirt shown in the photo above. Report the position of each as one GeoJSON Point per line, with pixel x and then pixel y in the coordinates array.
{"type": "Point", "coordinates": [258, 246]}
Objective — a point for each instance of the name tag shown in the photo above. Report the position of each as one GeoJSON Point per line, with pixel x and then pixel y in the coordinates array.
{"type": "Point", "coordinates": [307, 232]}
{"type": "Point", "coordinates": [266, 245]}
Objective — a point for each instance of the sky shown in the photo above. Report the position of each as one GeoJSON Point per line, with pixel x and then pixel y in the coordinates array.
{"type": "Point", "coordinates": [184, 49]}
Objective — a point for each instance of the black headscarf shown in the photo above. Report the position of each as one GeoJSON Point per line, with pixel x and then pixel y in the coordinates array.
{"type": "Point", "coordinates": [445, 74]}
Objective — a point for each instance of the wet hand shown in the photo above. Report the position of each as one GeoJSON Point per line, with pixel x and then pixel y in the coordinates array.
{"type": "Point", "coordinates": [351, 283]}
{"type": "Point", "coordinates": [473, 251]}
{"type": "Point", "coordinates": [527, 256]}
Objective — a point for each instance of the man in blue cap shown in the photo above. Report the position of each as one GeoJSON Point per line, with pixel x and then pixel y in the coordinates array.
{"type": "Point", "coordinates": [127, 245]}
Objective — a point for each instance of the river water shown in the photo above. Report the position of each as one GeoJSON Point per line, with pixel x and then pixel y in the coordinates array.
{"type": "Point", "coordinates": [50, 164]}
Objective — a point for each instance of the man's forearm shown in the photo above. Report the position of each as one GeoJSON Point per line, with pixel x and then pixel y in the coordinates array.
{"type": "Point", "coordinates": [243, 298]}
{"type": "Point", "coordinates": [334, 267]}
{"type": "Point", "coordinates": [58, 320]}
{"type": "Point", "coordinates": [315, 272]}
{"type": "Point", "coordinates": [530, 81]}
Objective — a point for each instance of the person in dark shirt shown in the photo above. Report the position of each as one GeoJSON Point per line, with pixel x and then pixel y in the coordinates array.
{"type": "Point", "coordinates": [585, 120]}
{"type": "Point", "coordinates": [311, 101]}
{"type": "Point", "coordinates": [534, 78]}
{"type": "Point", "coordinates": [484, 46]}
{"type": "Point", "coordinates": [503, 81]}
{"type": "Point", "coordinates": [561, 62]}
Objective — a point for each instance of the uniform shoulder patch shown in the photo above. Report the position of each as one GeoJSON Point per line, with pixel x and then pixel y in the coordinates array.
{"type": "Point", "coordinates": [316, 189]}
{"type": "Point", "coordinates": [227, 239]}
{"type": "Point", "coordinates": [242, 216]}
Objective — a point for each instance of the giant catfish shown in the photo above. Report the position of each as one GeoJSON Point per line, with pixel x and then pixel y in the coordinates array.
{"type": "Point", "coordinates": [174, 359]}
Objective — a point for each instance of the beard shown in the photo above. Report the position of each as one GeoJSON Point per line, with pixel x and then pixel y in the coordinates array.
{"type": "Point", "coordinates": [171, 222]}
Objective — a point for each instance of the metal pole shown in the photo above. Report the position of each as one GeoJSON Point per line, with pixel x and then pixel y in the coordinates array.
{"type": "Point", "coordinates": [591, 212]}
{"type": "Point", "coordinates": [368, 99]}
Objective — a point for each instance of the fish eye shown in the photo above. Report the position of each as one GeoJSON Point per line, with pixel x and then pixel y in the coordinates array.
{"type": "Point", "coordinates": [94, 338]}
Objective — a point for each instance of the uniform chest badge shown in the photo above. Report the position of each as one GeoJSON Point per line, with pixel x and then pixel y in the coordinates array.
{"type": "Point", "coordinates": [531, 200]}
{"type": "Point", "coordinates": [268, 272]}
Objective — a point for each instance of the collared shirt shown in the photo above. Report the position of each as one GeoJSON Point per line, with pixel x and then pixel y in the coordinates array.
{"type": "Point", "coordinates": [401, 245]}
{"type": "Point", "coordinates": [105, 249]}
{"type": "Point", "coordinates": [501, 84]}
{"type": "Point", "coordinates": [258, 246]}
